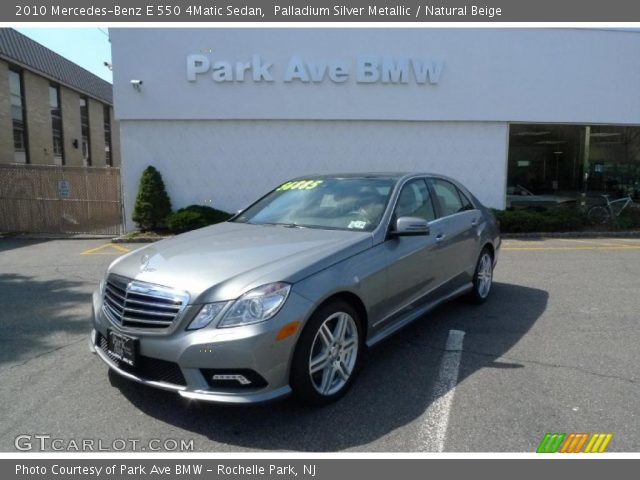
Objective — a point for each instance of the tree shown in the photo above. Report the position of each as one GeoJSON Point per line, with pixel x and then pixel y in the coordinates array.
{"type": "Point", "coordinates": [152, 203]}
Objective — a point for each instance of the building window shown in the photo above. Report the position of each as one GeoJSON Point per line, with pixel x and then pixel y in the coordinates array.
{"type": "Point", "coordinates": [56, 124]}
{"type": "Point", "coordinates": [554, 165]}
{"type": "Point", "coordinates": [18, 116]}
{"type": "Point", "coordinates": [84, 127]}
{"type": "Point", "coordinates": [107, 135]}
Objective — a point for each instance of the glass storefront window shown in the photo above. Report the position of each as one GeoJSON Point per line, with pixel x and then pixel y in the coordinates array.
{"type": "Point", "coordinates": [567, 164]}
{"type": "Point", "coordinates": [614, 160]}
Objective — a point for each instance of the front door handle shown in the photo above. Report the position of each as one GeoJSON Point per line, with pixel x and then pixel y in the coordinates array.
{"type": "Point", "coordinates": [474, 222]}
{"type": "Point", "coordinates": [440, 237]}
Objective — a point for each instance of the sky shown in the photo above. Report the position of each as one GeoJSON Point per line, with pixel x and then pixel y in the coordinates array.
{"type": "Point", "coordinates": [88, 47]}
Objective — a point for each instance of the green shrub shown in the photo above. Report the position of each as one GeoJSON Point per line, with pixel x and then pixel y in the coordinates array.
{"type": "Point", "coordinates": [195, 216]}
{"type": "Point", "coordinates": [629, 219]}
{"type": "Point", "coordinates": [550, 220]}
{"type": "Point", "coordinates": [152, 203]}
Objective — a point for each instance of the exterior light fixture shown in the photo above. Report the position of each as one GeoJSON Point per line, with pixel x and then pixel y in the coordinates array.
{"type": "Point", "coordinates": [137, 85]}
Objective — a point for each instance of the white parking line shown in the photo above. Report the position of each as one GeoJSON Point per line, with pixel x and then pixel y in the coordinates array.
{"type": "Point", "coordinates": [434, 421]}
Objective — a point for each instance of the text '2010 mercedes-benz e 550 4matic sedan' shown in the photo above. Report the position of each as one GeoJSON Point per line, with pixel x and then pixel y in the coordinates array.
{"type": "Point", "coordinates": [286, 295]}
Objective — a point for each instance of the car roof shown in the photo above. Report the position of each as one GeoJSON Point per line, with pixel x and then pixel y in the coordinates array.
{"type": "Point", "coordinates": [385, 175]}
{"type": "Point", "coordinates": [396, 177]}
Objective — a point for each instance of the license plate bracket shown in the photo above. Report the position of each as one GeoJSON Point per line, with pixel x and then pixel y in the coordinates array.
{"type": "Point", "coordinates": [123, 347]}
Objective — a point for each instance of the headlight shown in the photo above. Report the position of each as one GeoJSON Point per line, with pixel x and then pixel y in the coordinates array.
{"type": "Point", "coordinates": [256, 305]}
{"type": "Point", "coordinates": [207, 313]}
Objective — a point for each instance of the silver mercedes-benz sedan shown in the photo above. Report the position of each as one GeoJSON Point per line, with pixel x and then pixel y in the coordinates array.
{"type": "Point", "coordinates": [285, 296]}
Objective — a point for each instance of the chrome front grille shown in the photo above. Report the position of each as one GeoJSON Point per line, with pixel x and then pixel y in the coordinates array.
{"type": "Point", "coordinates": [141, 305]}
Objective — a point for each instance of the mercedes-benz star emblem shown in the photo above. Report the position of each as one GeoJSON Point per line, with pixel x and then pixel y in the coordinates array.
{"type": "Point", "coordinates": [144, 262]}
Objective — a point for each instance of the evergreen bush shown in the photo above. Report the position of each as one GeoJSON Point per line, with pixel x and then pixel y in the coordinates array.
{"type": "Point", "coordinates": [152, 203]}
{"type": "Point", "coordinates": [195, 216]}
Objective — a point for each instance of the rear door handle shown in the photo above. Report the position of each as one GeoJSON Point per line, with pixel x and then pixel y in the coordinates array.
{"type": "Point", "coordinates": [474, 222]}
{"type": "Point", "coordinates": [440, 237]}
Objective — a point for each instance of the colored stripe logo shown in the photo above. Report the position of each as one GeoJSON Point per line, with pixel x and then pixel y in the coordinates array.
{"type": "Point", "coordinates": [598, 443]}
{"type": "Point", "coordinates": [573, 442]}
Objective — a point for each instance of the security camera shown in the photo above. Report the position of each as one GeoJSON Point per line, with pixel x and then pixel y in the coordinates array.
{"type": "Point", "coordinates": [136, 84]}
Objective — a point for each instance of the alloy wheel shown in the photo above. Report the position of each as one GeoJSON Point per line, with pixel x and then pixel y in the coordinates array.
{"type": "Point", "coordinates": [485, 275]}
{"type": "Point", "coordinates": [334, 353]}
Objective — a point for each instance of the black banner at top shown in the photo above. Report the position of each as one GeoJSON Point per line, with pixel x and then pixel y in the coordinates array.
{"type": "Point", "coordinates": [260, 11]}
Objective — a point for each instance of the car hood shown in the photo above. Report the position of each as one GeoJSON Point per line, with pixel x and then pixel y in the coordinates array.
{"type": "Point", "coordinates": [223, 261]}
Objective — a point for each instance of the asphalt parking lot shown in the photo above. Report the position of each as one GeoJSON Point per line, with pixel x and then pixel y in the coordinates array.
{"type": "Point", "coordinates": [555, 349]}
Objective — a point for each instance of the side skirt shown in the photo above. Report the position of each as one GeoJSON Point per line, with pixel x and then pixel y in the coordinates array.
{"type": "Point", "coordinates": [417, 313]}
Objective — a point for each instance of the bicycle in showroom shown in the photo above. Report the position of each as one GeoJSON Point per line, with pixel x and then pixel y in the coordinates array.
{"type": "Point", "coordinates": [610, 211]}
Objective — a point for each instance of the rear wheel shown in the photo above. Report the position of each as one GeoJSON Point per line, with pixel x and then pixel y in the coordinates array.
{"type": "Point", "coordinates": [482, 277]}
{"type": "Point", "coordinates": [328, 354]}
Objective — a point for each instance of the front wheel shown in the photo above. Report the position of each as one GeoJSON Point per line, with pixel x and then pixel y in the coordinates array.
{"type": "Point", "coordinates": [482, 278]}
{"type": "Point", "coordinates": [598, 215]}
{"type": "Point", "coordinates": [328, 354]}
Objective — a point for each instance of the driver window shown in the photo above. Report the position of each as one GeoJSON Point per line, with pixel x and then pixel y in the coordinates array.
{"type": "Point", "coordinates": [414, 201]}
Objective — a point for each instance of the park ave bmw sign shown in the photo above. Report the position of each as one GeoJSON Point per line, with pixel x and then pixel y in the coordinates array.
{"type": "Point", "coordinates": [363, 69]}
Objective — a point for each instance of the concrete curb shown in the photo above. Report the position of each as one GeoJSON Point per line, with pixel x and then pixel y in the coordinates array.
{"type": "Point", "coordinates": [590, 234]}
{"type": "Point", "coordinates": [140, 239]}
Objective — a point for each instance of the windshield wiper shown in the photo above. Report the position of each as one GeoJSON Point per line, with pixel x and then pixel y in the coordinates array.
{"type": "Point", "coordinates": [286, 225]}
{"type": "Point", "coordinates": [289, 225]}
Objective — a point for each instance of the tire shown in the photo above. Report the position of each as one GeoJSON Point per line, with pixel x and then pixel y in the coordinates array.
{"type": "Point", "coordinates": [341, 351]}
{"type": "Point", "coordinates": [482, 278]}
{"type": "Point", "coordinates": [598, 215]}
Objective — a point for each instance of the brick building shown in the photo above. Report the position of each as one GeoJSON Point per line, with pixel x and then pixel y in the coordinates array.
{"type": "Point", "coordinates": [52, 111]}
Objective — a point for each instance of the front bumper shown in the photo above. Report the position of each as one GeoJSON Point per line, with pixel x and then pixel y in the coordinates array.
{"type": "Point", "coordinates": [181, 361]}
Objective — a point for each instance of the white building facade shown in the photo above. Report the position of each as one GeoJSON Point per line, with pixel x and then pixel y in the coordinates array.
{"type": "Point", "coordinates": [228, 114]}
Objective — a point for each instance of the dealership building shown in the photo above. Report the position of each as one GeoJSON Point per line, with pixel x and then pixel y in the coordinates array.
{"type": "Point", "coordinates": [228, 114]}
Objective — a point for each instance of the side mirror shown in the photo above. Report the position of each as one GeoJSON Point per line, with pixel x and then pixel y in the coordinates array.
{"type": "Point", "coordinates": [410, 226]}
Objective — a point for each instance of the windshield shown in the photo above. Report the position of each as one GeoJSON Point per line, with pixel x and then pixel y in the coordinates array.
{"type": "Point", "coordinates": [330, 203]}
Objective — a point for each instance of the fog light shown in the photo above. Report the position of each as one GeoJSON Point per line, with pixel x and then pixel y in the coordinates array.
{"type": "Point", "coordinates": [241, 379]}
